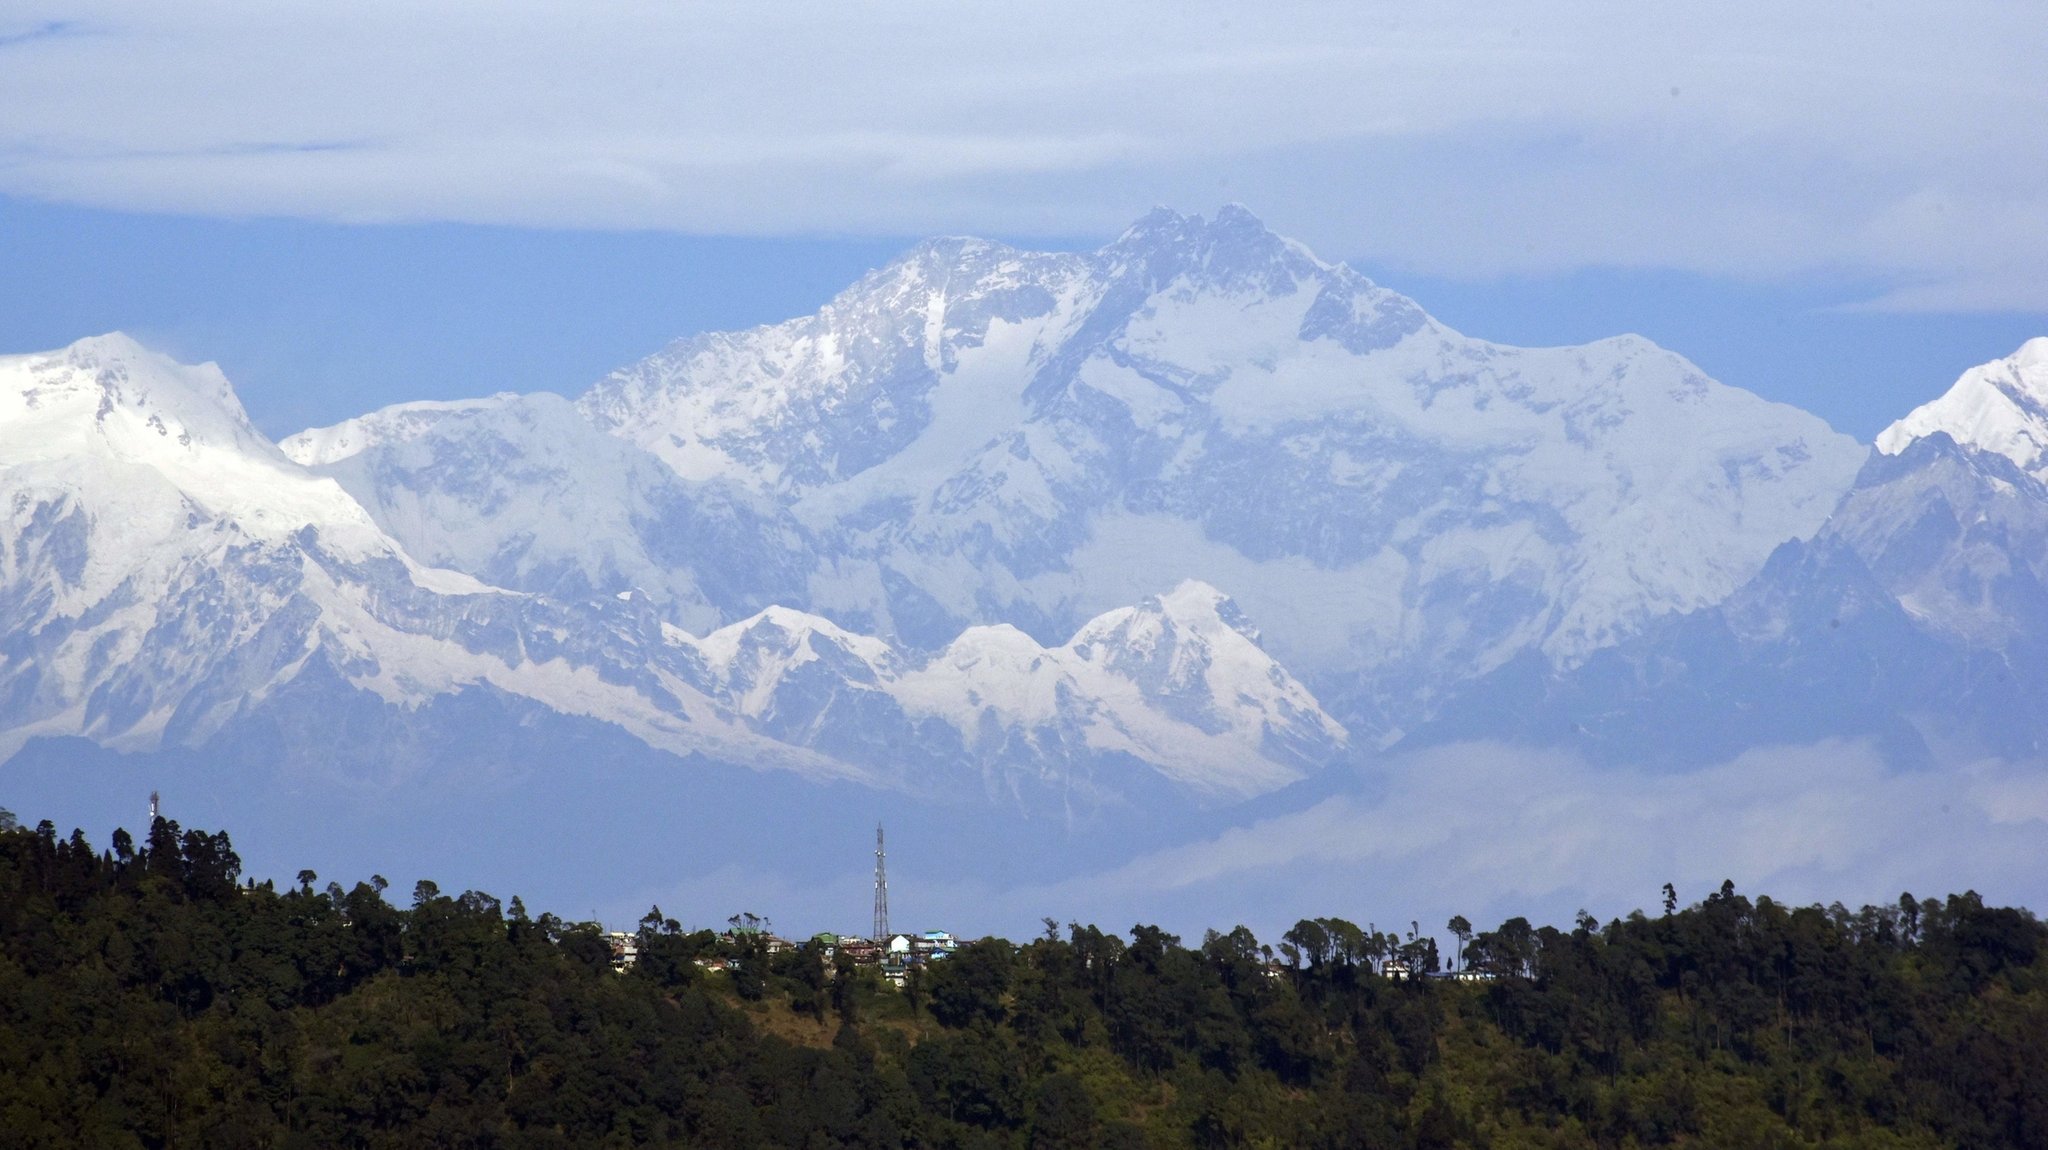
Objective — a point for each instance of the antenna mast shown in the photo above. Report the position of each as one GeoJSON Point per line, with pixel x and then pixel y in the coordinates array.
{"type": "Point", "coordinates": [881, 890]}
{"type": "Point", "coordinates": [152, 808]}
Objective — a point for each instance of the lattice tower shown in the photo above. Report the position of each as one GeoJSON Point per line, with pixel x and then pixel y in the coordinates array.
{"type": "Point", "coordinates": [881, 890]}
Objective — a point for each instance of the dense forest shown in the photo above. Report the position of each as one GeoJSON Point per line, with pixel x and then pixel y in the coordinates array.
{"type": "Point", "coordinates": [150, 997]}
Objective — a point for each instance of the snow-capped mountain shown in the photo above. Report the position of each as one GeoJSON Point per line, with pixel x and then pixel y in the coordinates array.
{"type": "Point", "coordinates": [1957, 536]}
{"type": "Point", "coordinates": [171, 570]}
{"type": "Point", "coordinates": [981, 436]}
{"type": "Point", "coordinates": [1178, 681]}
{"type": "Point", "coordinates": [2000, 407]}
{"type": "Point", "coordinates": [172, 578]}
{"type": "Point", "coordinates": [1918, 615]}
{"type": "Point", "coordinates": [975, 551]}
{"type": "Point", "coordinates": [919, 540]}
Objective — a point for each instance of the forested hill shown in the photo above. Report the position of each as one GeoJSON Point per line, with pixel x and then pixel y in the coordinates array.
{"type": "Point", "coordinates": [149, 997]}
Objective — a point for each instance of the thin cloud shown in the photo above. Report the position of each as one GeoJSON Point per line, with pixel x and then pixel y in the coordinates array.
{"type": "Point", "coordinates": [1492, 831]}
{"type": "Point", "coordinates": [1897, 140]}
{"type": "Point", "coordinates": [47, 30]}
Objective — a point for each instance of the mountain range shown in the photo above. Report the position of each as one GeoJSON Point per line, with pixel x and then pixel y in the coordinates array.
{"type": "Point", "coordinates": [1196, 515]}
{"type": "Point", "coordinates": [1915, 616]}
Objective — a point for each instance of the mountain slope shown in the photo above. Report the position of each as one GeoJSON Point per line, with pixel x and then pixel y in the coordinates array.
{"type": "Point", "coordinates": [523, 493]}
{"type": "Point", "coordinates": [175, 580]}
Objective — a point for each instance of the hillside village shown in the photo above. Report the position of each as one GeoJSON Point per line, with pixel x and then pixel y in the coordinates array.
{"type": "Point", "coordinates": [895, 957]}
{"type": "Point", "coordinates": [748, 948]}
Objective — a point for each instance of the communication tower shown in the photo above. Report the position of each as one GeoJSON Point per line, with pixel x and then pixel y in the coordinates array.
{"type": "Point", "coordinates": [152, 808]}
{"type": "Point", "coordinates": [881, 890]}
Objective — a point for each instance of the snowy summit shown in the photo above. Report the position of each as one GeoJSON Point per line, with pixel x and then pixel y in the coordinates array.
{"type": "Point", "coordinates": [2000, 407]}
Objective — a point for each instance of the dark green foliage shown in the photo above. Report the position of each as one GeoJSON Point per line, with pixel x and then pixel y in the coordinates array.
{"type": "Point", "coordinates": [801, 969]}
{"type": "Point", "coordinates": [668, 956]}
{"type": "Point", "coordinates": [1064, 1117]}
{"type": "Point", "coordinates": [975, 1076]}
{"type": "Point", "coordinates": [971, 985]}
{"type": "Point", "coordinates": [149, 999]}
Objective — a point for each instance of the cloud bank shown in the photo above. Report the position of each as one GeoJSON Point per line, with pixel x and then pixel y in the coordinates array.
{"type": "Point", "coordinates": [1749, 139]}
{"type": "Point", "coordinates": [1490, 832]}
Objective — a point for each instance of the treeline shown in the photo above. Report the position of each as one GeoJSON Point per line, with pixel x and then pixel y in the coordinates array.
{"type": "Point", "coordinates": [150, 997]}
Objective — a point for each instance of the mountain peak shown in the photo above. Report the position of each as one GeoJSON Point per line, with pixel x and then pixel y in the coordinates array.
{"type": "Point", "coordinates": [1162, 221]}
{"type": "Point", "coordinates": [137, 403]}
{"type": "Point", "coordinates": [1999, 407]}
{"type": "Point", "coordinates": [1235, 250]}
{"type": "Point", "coordinates": [1197, 606]}
{"type": "Point", "coordinates": [107, 414]}
{"type": "Point", "coordinates": [111, 345]}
